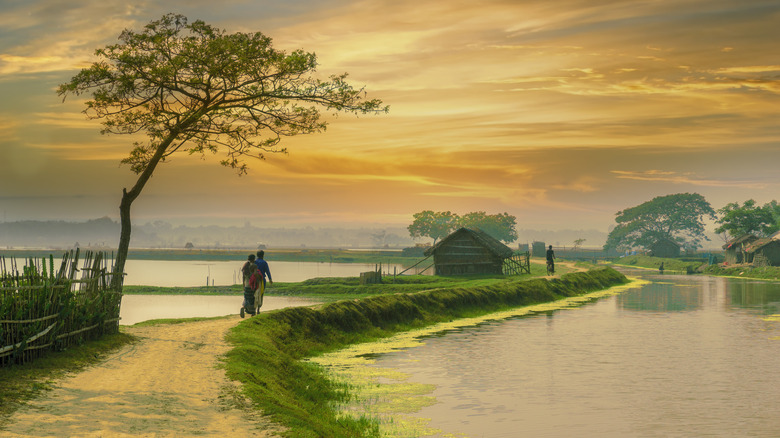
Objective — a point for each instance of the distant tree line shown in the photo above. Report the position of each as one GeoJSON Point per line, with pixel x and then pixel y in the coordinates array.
{"type": "Point", "coordinates": [439, 224]}
{"type": "Point", "coordinates": [680, 218]}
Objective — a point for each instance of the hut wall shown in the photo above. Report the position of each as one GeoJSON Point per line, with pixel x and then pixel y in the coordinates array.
{"type": "Point", "coordinates": [767, 255]}
{"type": "Point", "coordinates": [462, 255]}
{"type": "Point", "coordinates": [538, 249]}
{"type": "Point", "coordinates": [665, 249]}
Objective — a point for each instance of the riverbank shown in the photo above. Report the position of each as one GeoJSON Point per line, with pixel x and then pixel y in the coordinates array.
{"type": "Point", "coordinates": [699, 267]}
{"type": "Point", "coordinates": [282, 255]}
{"type": "Point", "coordinates": [268, 350]}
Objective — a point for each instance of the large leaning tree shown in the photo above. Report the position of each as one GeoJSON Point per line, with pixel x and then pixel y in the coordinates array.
{"type": "Point", "coordinates": [677, 217]}
{"type": "Point", "coordinates": [192, 88]}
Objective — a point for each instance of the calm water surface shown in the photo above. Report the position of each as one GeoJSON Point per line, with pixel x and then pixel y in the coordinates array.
{"type": "Point", "coordinates": [170, 273]}
{"type": "Point", "coordinates": [685, 356]}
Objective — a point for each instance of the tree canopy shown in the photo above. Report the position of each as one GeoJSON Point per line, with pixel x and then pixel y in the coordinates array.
{"type": "Point", "coordinates": [433, 224]}
{"type": "Point", "coordinates": [677, 217]}
{"type": "Point", "coordinates": [437, 225]}
{"type": "Point", "coordinates": [749, 218]}
{"type": "Point", "coordinates": [500, 226]}
{"type": "Point", "coordinates": [193, 88]}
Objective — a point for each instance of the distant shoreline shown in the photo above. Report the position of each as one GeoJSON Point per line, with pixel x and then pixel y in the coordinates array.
{"type": "Point", "coordinates": [282, 254]}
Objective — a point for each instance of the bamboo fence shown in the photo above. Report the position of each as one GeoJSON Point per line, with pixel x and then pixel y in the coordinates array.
{"type": "Point", "coordinates": [44, 310]}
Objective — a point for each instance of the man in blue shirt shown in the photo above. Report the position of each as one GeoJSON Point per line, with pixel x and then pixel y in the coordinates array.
{"type": "Point", "coordinates": [265, 271]}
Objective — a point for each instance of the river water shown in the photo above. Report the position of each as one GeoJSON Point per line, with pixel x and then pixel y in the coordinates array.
{"type": "Point", "coordinates": [171, 273]}
{"type": "Point", "coordinates": [137, 308]}
{"type": "Point", "coordinates": [682, 356]}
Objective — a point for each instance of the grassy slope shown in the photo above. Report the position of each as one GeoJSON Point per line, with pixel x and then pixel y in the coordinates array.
{"type": "Point", "coordinates": [641, 261]}
{"type": "Point", "coordinates": [677, 265]}
{"type": "Point", "coordinates": [763, 273]}
{"type": "Point", "coordinates": [268, 348]}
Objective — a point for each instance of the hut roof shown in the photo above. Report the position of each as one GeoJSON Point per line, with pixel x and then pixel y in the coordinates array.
{"type": "Point", "coordinates": [745, 238]}
{"type": "Point", "coordinates": [488, 241]}
{"type": "Point", "coordinates": [666, 240]}
{"type": "Point", "coordinates": [760, 243]}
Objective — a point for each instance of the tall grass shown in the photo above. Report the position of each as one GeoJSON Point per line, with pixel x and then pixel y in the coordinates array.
{"type": "Point", "coordinates": [268, 348]}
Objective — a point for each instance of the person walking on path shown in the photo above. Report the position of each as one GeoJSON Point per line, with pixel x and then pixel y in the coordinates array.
{"type": "Point", "coordinates": [265, 272]}
{"type": "Point", "coordinates": [252, 282]}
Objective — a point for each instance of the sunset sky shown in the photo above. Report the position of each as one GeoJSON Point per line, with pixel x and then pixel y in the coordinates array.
{"type": "Point", "coordinates": [558, 112]}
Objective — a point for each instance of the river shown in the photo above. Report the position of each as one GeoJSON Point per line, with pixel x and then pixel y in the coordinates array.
{"type": "Point", "coordinates": [682, 356]}
{"type": "Point", "coordinates": [137, 308]}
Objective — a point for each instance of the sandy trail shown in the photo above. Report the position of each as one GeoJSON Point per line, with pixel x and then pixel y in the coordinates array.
{"type": "Point", "coordinates": [169, 384]}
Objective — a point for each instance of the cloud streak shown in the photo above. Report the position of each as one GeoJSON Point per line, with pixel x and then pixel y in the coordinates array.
{"type": "Point", "coordinates": [536, 108]}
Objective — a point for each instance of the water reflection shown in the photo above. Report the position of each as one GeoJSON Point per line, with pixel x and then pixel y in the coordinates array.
{"type": "Point", "coordinates": [683, 356]}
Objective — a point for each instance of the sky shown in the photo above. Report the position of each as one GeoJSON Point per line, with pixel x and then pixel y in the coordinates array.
{"type": "Point", "coordinates": [559, 113]}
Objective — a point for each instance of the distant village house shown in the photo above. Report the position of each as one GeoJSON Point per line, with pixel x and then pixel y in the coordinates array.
{"type": "Point", "coordinates": [665, 248]}
{"type": "Point", "coordinates": [735, 249]}
{"type": "Point", "coordinates": [765, 252]}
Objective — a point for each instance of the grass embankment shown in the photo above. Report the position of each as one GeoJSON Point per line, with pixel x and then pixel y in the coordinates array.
{"type": "Point", "coordinates": [670, 265]}
{"type": "Point", "coordinates": [745, 271]}
{"type": "Point", "coordinates": [20, 383]}
{"type": "Point", "coordinates": [268, 348]}
{"type": "Point", "coordinates": [339, 288]}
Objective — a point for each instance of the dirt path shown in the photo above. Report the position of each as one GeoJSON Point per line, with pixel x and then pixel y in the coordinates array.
{"type": "Point", "coordinates": [166, 385]}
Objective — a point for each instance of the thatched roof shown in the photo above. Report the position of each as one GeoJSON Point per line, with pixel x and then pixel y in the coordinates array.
{"type": "Point", "coordinates": [666, 240]}
{"type": "Point", "coordinates": [491, 243]}
{"type": "Point", "coordinates": [745, 238]}
{"type": "Point", "coordinates": [760, 243]}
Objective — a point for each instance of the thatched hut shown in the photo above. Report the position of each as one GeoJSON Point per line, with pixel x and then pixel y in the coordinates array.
{"type": "Point", "coordinates": [467, 251]}
{"type": "Point", "coordinates": [666, 248]}
{"type": "Point", "coordinates": [765, 252]}
{"type": "Point", "coordinates": [735, 249]}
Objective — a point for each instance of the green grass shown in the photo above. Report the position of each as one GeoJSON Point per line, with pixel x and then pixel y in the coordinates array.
{"type": "Point", "coordinates": [269, 348]}
{"type": "Point", "coordinates": [763, 273]}
{"type": "Point", "coordinates": [671, 265]}
{"type": "Point", "coordinates": [21, 383]}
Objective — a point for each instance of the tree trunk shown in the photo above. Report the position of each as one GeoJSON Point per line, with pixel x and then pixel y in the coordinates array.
{"type": "Point", "coordinates": [124, 240]}
{"type": "Point", "coordinates": [124, 211]}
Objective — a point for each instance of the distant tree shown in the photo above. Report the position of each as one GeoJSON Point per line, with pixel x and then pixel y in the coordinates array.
{"type": "Point", "coordinates": [578, 243]}
{"type": "Point", "coordinates": [379, 238]}
{"type": "Point", "coordinates": [500, 226]}
{"type": "Point", "coordinates": [749, 218]}
{"type": "Point", "coordinates": [193, 88]}
{"type": "Point", "coordinates": [435, 225]}
{"type": "Point", "coordinates": [189, 245]}
{"type": "Point", "coordinates": [676, 217]}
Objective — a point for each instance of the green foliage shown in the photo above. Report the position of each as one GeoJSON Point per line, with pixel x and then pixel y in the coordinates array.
{"type": "Point", "coordinates": [676, 217]}
{"type": "Point", "coordinates": [500, 226]}
{"type": "Point", "coordinates": [763, 272]}
{"type": "Point", "coordinates": [437, 225]}
{"type": "Point", "coordinates": [269, 347]}
{"type": "Point", "coordinates": [194, 88]}
{"type": "Point", "coordinates": [198, 89]}
{"type": "Point", "coordinates": [433, 224]}
{"type": "Point", "coordinates": [749, 218]}
{"type": "Point", "coordinates": [670, 265]}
